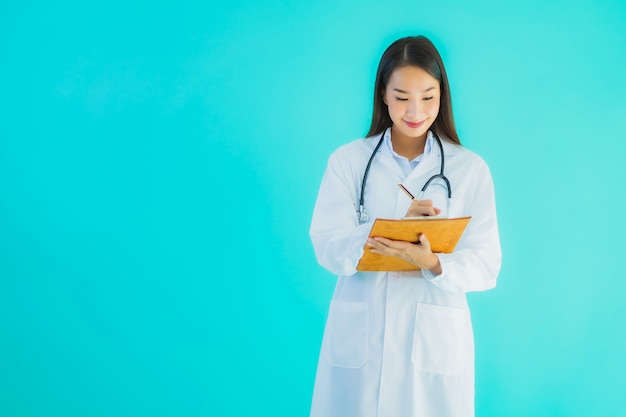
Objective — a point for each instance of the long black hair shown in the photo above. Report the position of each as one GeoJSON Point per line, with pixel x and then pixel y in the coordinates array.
{"type": "Point", "coordinates": [420, 52]}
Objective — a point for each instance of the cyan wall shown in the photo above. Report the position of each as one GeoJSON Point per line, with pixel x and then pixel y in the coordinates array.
{"type": "Point", "coordinates": [159, 163]}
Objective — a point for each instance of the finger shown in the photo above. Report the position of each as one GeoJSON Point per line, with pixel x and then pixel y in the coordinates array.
{"type": "Point", "coordinates": [393, 244]}
{"type": "Point", "coordinates": [421, 204]}
{"type": "Point", "coordinates": [375, 244]}
{"type": "Point", "coordinates": [422, 212]}
{"type": "Point", "coordinates": [372, 243]}
{"type": "Point", "coordinates": [395, 247]}
{"type": "Point", "coordinates": [382, 240]}
{"type": "Point", "coordinates": [423, 240]}
{"type": "Point", "coordinates": [379, 247]}
{"type": "Point", "coordinates": [389, 247]}
{"type": "Point", "coordinates": [422, 208]}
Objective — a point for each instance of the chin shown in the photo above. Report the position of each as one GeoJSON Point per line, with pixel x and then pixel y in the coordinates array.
{"type": "Point", "coordinates": [415, 133]}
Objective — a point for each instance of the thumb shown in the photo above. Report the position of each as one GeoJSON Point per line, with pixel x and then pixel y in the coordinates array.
{"type": "Point", "coordinates": [423, 240]}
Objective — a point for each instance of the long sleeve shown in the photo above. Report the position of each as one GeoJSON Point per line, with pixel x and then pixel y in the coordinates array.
{"type": "Point", "coordinates": [475, 263]}
{"type": "Point", "coordinates": [337, 237]}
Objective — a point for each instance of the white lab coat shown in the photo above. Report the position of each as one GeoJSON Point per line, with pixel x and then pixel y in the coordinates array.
{"type": "Point", "coordinates": [400, 344]}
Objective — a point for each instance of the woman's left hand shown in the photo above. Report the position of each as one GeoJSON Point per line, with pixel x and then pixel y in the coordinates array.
{"type": "Point", "coordinates": [418, 254]}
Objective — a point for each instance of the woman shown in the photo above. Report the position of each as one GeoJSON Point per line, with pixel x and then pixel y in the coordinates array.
{"type": "Point", "coordinates": [400, 343]}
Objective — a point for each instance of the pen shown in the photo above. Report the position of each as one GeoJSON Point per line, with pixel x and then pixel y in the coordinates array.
{"type": "Point", "coordinates": [411, 196]}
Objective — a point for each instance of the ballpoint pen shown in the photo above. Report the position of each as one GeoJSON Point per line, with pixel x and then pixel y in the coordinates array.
{"type": "Point", "coordinates": [411, 196]}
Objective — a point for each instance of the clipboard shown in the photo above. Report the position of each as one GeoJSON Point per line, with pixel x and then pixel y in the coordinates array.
{"type": "Point", "coordinates": [443, 235]}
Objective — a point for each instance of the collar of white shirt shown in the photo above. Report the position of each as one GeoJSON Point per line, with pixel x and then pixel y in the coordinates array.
{"type": "Point", "coordinates": [405, 165]}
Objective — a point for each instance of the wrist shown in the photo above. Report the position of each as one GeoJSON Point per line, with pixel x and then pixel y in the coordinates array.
{"type": "Point", "coordinates": [433, 264]}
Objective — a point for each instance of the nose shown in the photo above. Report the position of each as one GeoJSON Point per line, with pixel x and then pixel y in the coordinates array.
{"type": "Point", "coordinates": [414, 109]}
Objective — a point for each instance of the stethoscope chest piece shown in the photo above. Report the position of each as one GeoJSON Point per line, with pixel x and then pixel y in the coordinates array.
{"type": "Point", "coordinates": [363, 215]}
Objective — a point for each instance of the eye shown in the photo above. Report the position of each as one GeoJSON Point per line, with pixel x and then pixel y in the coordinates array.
{"type": "Point", "coordinates": [427, 98]}
{"type": "Point", "coordinates": [401, 99]}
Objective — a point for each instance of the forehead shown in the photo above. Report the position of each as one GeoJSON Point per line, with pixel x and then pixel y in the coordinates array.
{"type": "Point", "coordinates": [412, 78]}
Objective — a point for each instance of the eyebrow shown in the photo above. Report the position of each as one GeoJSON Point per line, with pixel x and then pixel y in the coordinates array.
{"type": "Point", "coordinates": [406, 92]}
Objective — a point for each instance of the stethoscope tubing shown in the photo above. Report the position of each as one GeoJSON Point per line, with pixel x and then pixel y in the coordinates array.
{"type": "Point", "coordinates": [361, 212]}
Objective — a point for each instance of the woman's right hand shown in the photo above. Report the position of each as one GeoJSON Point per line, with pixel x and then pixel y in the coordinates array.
{"type": "Point", "coordinates": [422, 208]}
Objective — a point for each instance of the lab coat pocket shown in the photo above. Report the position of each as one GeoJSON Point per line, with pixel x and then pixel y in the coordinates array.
{"type": "Point", "coordinates": [347, 334]}
{"type": "Point", "coordinates": [441, 339]}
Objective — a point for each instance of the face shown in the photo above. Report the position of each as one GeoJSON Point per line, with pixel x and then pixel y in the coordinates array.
{"type": "Point", "coordinates": [412, 96]}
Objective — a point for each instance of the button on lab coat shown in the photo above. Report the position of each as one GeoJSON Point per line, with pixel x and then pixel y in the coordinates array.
{"type": "Point", "coordinates": [400, 344]}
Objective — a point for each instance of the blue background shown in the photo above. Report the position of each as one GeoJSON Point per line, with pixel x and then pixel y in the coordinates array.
{"type": "Point", "coordinates": [159, 163]}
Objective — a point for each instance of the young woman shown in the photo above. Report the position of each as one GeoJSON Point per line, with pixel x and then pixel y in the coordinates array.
{"type": "Point", "coordinates": [400, 343]}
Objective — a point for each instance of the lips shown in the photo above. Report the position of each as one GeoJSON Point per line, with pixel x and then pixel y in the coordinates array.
{"type": "Point", "coordinates": [414, 125]}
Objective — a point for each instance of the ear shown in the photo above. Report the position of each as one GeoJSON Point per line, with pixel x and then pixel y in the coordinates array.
{"type": "Point", "coordinates": [384, 98]}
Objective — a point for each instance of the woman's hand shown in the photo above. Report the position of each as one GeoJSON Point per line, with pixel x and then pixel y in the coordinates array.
{"type": "Point", "coordinates": [418, 254]}
{"type": "Point", "coordinates": [422, 208]}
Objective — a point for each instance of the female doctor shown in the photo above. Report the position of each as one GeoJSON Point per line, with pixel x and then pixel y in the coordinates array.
{"type": "Point", "coordinates": [400, 344]}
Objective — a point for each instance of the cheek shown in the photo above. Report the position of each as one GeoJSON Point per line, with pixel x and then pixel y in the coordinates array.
{"type": "Point", "coordinates": [433, 108]}
{"type": "Point", "coordinates": [396, 107]}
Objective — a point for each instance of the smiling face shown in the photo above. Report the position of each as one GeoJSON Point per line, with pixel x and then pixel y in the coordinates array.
{"type": "Point", "coordinates": [412, 96]}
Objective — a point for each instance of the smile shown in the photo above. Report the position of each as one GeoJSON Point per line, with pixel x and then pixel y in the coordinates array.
{"type": "Point", "coordinates": [414, 125]}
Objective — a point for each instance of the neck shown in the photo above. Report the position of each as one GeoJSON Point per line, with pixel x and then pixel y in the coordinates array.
{"type": "Point", "coordinates": [409, 147]}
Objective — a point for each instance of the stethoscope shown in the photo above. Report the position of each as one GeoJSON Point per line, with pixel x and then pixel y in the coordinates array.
{"type": "Point", "coordinates": [362, 213]}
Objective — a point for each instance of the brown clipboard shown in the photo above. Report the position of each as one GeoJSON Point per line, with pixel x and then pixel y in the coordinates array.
{"type": "Point", "coordinates": [443, 235]}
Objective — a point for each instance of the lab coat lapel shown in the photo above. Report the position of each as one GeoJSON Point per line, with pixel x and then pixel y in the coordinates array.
{"type": "Point", "coordinates": [429, 164]}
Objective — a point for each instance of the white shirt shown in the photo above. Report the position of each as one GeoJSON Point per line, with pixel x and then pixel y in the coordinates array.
{"type": "Point", "coordinates": [405, 165]}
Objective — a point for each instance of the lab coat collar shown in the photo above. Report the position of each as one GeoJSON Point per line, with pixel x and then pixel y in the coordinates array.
{"type": "Point", "coordinates": [432, 160]}
{"type": "Point", "coordinates": [387, 156]}
{"type": "Point", "coordinates": [428, 146]}
{"type": "Point", "coordinates": [449, 148]}
{"type": "Point", "coordinates": [429, 161]}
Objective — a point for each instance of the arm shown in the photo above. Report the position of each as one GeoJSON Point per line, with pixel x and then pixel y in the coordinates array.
{"type": "Point", "coordinates": [475, 263]}
{"type": "Point", "coordinates": [337, 237]}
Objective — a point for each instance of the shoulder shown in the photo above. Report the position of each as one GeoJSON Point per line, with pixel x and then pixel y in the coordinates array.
{"type": "Point", "coordinates": [363, 145]}
{"type": "Point", "coordinates": [462, 154]}
{"type": "Point", "coordinates": [356, 152]}
{"type": "Point", "coordinates": [466, 163]}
